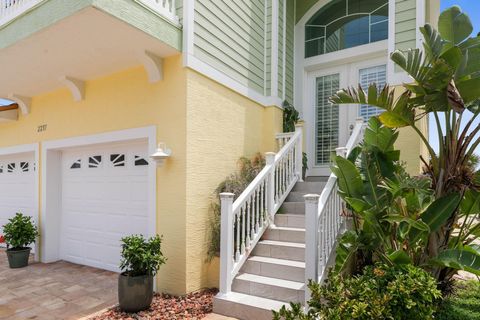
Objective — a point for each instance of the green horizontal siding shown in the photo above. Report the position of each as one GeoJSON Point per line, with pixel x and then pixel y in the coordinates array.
{"type": "Point", "coordinates": [268, 48]}
{"type": "Point", "coordinates": [281, 4]}
{"type": "Point", "coordinates": [230, 36]}
{"type": "Point", "coordinates": [289, 61]}
{"type": "Point", "coordinates": [405, 24]}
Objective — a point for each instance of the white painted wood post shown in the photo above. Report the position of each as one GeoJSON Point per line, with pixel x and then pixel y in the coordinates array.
{"type": "Point", "coordinates": [311, 241]}
{"type": "Point", "coordinates": [342, 152]}
{"type": "Point", "coordinates": [270, 194]}
{"type": "Point", "coordinates": [299, 155]}
{"type": "Point", "coordinates": [226, 242]}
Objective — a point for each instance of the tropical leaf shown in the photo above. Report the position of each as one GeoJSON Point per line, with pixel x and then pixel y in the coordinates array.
{"type": "Point", "coordinates": [436, 214]}
{"type": "Point", "coordinates": [460, 259]}
{"type": "Point", "coordinates": [412, 62]}
{"type": "Point", "coordinates": [469, 89]}
{"type": "Point", "coordinates": [399, 257]}
{"type": "Point", "coordinates": [433, 43]}
{"type": "Point", "coordinates": [381, 137]}
{"type": "Point", "coordinates": [454, 25]}
{"type": "Point", "coordinates": [383, 100]}
{"type": "Point", "coordinates": [470, 204]}
{"type": "Point", "coordinates": [347, 246]}
{"type": "Point", "coordinates": [358, 205]}
{"type": "Point", "coordinates": [349, 180]}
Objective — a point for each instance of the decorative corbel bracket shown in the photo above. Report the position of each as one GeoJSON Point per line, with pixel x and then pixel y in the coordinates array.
{"type": "Point", "coordinates": [76, 87]}
{"type": "Point", "coordinates": [24, 103]}
{"type": "Point", "coordinates": [153, 64]}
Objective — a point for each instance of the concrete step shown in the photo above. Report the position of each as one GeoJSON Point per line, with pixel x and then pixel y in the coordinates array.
{"type": "Point", "coordinates": [317, 179]}
{"type": "Point", "coordinates": [275, 268]}
{"type": "Point", "coordinates": [296, 196]}
{"type": "Point", "coordinates": [285, 234]}
{"type": "Point", "coordinates": [309, 187]}
{"type": "Point", "coordinates": [280, 250]}
{"type": "Point", "coordinates": [245, 307]}
{"type": "Point", "coordinates": [290, 220]}
{"type": "Point", "coordinates": [293, 208]}
{"type": "Point", "coordinates": [270, 288]}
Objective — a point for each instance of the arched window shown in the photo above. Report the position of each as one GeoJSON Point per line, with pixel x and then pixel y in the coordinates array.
{"type": "Point", "coordinates": [343, 24]}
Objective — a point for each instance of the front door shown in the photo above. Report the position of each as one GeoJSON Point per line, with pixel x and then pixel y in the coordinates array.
{"type": "Point", "coordinates": [329, 126]}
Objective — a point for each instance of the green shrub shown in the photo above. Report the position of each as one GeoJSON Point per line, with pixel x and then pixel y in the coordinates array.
{"type": "Point", "coordinates": [290, 117]}
{"type": "Point", "coordinates": [248, 169]}
{"type": "Point", "coordinates": [20, 231]}
{"type": "Point", "coordinates": [462, 304]}
{"type": "Point", "coordinates": [141, 256]}
{"type": "Point", "coordinates": [381, 292]}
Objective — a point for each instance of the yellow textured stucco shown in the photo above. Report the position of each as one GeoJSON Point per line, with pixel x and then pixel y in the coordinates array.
{"type": "Point", "coordinates": [222, 126]}
{"type": "Point", "coordinates": [207, 126]}
{"type": "Point", "coordinates": [120, 101]}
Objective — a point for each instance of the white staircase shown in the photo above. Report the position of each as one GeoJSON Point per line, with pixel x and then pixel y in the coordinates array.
{"type": "Point", "coordinates": [278, 234]}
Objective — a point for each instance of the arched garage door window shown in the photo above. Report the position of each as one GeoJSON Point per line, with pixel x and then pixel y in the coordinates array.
{"type": "Point", "coordinates": [343, 24]}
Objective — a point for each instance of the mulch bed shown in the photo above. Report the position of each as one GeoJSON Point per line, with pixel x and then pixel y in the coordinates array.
{"type": "Point", "coordinates": [166, 307]}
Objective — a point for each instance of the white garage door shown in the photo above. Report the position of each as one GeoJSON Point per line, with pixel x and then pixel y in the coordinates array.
{"type": "Point", "coordinates": [17, 186]}
{"type": "Point", "coordinates": [104, 198]}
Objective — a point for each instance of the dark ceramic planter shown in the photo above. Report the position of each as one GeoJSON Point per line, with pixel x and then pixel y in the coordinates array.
{"type": "Point", "coordinates": [135, 293]}
{"type": "Point", "coordinates": [18, 258]}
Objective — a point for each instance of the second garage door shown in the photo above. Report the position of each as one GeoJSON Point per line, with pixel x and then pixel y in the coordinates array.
{"type": "Point", "coordinates": [104, 198]}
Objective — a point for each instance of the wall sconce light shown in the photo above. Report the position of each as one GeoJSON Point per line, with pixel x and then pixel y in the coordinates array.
{"type": "Point", "coordinates": [161, 154]}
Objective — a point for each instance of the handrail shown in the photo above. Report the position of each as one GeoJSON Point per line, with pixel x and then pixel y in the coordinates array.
{"type": "Point", "coordinates": [324, 220]}
{"type": "Point", "coordinates": [244, 221]}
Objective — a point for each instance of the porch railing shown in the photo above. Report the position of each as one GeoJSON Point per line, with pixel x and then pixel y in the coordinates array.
{"type": "Point", "coordinates": [325, 219]}
{"type": "Point", "coordinates": [10, 9]}
{"type": "Point", "coordinates": [244, 220]}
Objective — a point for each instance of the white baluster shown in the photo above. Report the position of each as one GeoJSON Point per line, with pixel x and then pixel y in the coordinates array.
{"type": "Point", "coordinates": [252, 219]}
{"type": "Point", "coordinates": [249, 239]}
{"type": "Point", "coordinates": [257, 209]}
{"type": "Point", "coordinates": [242, 211]}
{"type": "Point", "coordinates": [311, 240]}
{"type": "Point", "coordinates": [237, 226]}
{"type": "Point", "coordinates": [270, 188]}
{"type": "Point", "coordinates": [226, 243]}
{"type": "Point", "coordinates": [299, 155]}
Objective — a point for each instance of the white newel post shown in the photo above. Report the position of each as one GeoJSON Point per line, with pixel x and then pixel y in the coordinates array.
{"type": "Point", "coordinates": [226, 242]}
{"type": "Point", "coordinates": [270, 194]}
{"type": "Point", "coordinates": [342, 152]}
{"type": "Point", "coordinates": [311, 240]}
{"type": "Point", "coordinates": [299, 155]}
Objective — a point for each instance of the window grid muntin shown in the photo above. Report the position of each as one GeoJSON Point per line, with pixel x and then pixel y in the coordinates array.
{"type": "Point", "coordinates": [310, 39]}
{"type": "Point", "coordinates": [326, 119]}
{"type": "Point", "coordinates": [368, 76]}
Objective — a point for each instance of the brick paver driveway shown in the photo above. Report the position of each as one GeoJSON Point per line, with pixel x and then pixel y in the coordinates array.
{"type": "Point", "coordinates": [59, 290]}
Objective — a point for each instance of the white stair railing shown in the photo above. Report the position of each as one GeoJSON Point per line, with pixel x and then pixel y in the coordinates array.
{"type": "Point", "coordinates": [10, 9]}
{"type": "Point", "coordinates": [166, 8]}
{"type": "Point", "coordinates": [244, 221]}
{"type": "Point", "coordinates": [325, 219]}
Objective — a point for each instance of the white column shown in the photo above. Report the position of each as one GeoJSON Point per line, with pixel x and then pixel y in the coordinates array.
{"type": "Point", "coordinates": [311, 240]}
{"type": "Point", "coordinates": [270, 194]}
{"type": "Point", "coordinates": [299, 155]}
{"type": "Point", "coordinates": [226, 242]}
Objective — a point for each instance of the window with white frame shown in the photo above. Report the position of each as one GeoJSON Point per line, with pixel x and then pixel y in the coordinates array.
{"type": "Point", "coordinates": [343, 24]}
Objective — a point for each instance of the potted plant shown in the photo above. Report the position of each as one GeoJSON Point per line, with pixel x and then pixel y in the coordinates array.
{"type": "Point", "coordinates": [141, 260]}
{"type": "Point", "coordinates": [19, 233]}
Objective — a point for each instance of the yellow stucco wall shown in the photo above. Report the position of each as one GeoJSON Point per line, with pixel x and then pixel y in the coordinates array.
{"type": "Point", "coordinates": [207, 126]}
{"type": "Point", "coordinates": [120, 101]}
{"type": "Point", "coordinates": [222, 126]}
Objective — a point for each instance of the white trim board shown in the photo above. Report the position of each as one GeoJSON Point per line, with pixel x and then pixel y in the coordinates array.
{"type": "Point", "coordinates": [51, 183]}
{"type": "Point", "coordinates": [30, 148]}
{"type": "Point", "coordinates": [201, 67]}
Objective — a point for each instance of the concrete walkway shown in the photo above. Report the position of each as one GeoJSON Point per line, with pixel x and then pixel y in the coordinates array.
{"type": "Point", "coordinates": [59, 290]}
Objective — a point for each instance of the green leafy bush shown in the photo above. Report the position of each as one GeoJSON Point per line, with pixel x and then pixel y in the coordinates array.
{"type": "Point", "coordinates": [462, 304]}
{"type": "Point", "coordinates": [248, 169]}
{"type": "Point", "coordinates": [381, 292]}
{"type": "Point", "coordinates": [290, 117]}
{"type": "Point", "coordinates": [141, 256]}
{"type": "Point", "coordinates": [20, 231]}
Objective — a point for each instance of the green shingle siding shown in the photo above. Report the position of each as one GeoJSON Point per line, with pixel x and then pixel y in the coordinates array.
{"type": "Point", "coordinates": [405, 24]}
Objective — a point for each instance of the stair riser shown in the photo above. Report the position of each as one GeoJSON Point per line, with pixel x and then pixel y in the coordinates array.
{"type": "Point", "coordinates": [268, 291]}
{"type": "Point", "coordinates": [274, 270]}
{"type": "Point", "coordinates": [296, 196]}
{"type": "Point", "coordinates": [290, 220]}
{"type": "Point", "coordinates": [240, 311]}
{"type": "Point", "coordinates": [284, 235]}
{"type": "Point", "coordinates": [309, 187]}
{"type": "Point", "coordinates": [293, 208]}
{"type": "Point", "coordinates": [279, 252]}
